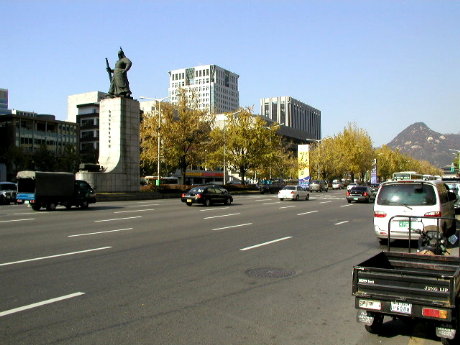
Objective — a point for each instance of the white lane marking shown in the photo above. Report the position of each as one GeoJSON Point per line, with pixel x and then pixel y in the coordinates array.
{"type": "Point", "coordinates": [347, 205]}
{"type": "Point", "coordinates": [325, 202]}
{"type": "Point", "coordinates": [131, 211]}
{"type": "Point", "coordinates": [272, 203]}
{"type": "Point", "coordinates": [145, 205]}
{"type": "Point", "coordinates": [54, 256]}
{"type": "Point", "coordinates": [99, 232]}
{"type": "Point", "coordinates": [214, 209]}
{"type": "Point", "coordinates": [339, 223]}
{"type": "Point", "coordinates": [301, 214]}
{"type": "Point", "coordinates": [286, 207]}
{"type": "Point", "coordinates": [146, 202]}
{"type": "Point", "coordinates": [16, 220]}
{"type": "Point", "coordinates": [109, 220]}
{"type": "Point", "coordinates": [231, 226]}
{"type": "Point", "coordinates": [266, 243]}
{"type": "Point", "coordinates": [224, 215]}
{"type": "Point", "coordinates": [39, 304]}
{"type": "Point", "coordinates": [263, 200]}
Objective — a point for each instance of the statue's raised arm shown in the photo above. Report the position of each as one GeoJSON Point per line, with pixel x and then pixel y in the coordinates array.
{"type": "Point", "coordinates": [119, 84]}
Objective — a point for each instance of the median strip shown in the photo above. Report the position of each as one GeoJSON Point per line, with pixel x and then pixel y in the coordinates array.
{"type": "Point", "coordinates": [39, 304]}
{"type": "Point", "coordinates": [266, 243]}
{"type": "Point", "coordinates": [53, 256]}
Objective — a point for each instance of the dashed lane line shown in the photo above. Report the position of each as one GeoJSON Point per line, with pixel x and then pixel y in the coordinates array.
{"type": "Point", "coordinates": [39, 304]}
{"type": "Point", "coordinates": [266, 243]}
{"type": "Point", "coordinates": [53, 256]}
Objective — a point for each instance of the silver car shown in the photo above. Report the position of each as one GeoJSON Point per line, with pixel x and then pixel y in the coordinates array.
{"type": "Point", "coordinates": [318, 186]}
{"type": "Point", "coordinates": [293, 193]}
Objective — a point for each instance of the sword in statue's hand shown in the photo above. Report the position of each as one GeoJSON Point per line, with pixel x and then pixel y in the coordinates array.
{"type": "Point", "coordinates": [109, 70]}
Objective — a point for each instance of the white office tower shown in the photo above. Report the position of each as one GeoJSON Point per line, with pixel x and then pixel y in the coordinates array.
{"type": "Point", "coordinates": [214, 88]}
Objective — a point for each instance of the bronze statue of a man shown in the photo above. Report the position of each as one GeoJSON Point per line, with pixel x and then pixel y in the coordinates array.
{"type": "Point", "coordinates": [119, 84]}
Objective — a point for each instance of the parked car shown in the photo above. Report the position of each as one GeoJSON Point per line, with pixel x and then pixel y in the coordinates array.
{"type": "Point", "coordinates": [337, 184]}
{"type": "Point", "coordinates": [293, 193]}
{"type": "Point", "coordinates": [318, 186]}
{"type": "Point", "coordinates": [8, 192]}
{"type": "Point", "coordinates": [207, 195]}
{"type": "Point", "coordinates": [360, 194]}
{"type": "Point", "coordinates": [455, 187]}
{"type": "Point", "coordinates": [409, 199]}
{"type": "Point", "coordinates": [270, 186]}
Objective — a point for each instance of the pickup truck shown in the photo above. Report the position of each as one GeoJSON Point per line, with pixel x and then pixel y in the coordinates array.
{"type": "Point", "coordinates": [409, 285]}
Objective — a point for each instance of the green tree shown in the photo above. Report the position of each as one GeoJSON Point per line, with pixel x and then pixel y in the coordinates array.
{"type": "Point", "coordinates": [246, 143]}
{"type": "Point", "coordinates": [184, 132]}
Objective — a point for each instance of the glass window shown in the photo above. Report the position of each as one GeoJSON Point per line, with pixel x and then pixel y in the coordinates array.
{"type": "Point", "coordinates": [407, 194]}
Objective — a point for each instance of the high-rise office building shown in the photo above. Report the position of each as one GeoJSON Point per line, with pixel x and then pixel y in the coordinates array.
{"type": "Point", "coordinates": [294, 114]}
{"type": "Point", "coordinates": [3, 100]}
{"type": "Point", "coordinates": [214, 88]}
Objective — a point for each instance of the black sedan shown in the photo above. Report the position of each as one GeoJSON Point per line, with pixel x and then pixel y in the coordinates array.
{"type": "Point", "coordinates": [360, 193]}
{"type": "Point", "coordinates": [207, 195]}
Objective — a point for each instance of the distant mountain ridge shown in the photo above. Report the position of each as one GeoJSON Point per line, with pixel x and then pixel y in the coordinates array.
{"type": "Point", "coordinates": [420, 142]}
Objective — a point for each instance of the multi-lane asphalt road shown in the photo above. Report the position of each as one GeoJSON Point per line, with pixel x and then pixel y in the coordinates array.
{"type": "Point", "coordinates": [158, 272]}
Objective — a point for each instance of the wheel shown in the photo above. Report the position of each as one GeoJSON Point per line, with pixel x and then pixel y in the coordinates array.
{"type": "Point", "coordinates": [297, 197]}
{"type": "Point", "coordinates": [189, 204]}
{"type": "Point", "coordinates": [51, 206]}
{"type": "Point", "coordinates": [307, 197]}
{"type": "Point", "coordinates": [452, 229]}
{"type": "Point", "coordinates": [376, 325]}
{"type": "Point", "coordinates": [36, 207]}
{"type": "Point", "coordinates": [281, 199]}
{"type": "Point", "coordinates": [84, 204]}
{"type": "Point", "coordinates": [228, 202]}
{"type": "Point", "coordinates": [349, 201]}
{"type": "Point", "coordinates": [207, 202]}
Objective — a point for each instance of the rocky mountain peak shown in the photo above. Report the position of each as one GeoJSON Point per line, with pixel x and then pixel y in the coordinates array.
{"type": "Point", "coordinates": [420, 142]}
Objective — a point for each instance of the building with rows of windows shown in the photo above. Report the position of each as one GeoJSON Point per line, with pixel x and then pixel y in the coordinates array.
{"type": "Point", "coordinates": [293, 114]}
{"type": "Point", "coordinates": [215, 88]}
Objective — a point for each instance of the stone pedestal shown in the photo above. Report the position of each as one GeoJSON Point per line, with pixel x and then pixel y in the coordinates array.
{"type": "Point", "coordinates": [118, 147]}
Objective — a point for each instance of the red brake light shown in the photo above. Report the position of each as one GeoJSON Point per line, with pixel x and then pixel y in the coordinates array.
{"type": "Point", "coordinates": [437, 313]}
{"type": "Point", "coordinates": [379, 214]}
{"type": "Point", "coordinates": [348, 193]}
{"type": "Point", "coordinates": [198, 196]}
{"type": "Point", "coordinates": [292, 192]}
{"type": "Point", "coordinates": [365, 194]}
{"type": "Point", "coordinates": [433, 214]}
{"type": "Point", "coordinates": [183, 195]}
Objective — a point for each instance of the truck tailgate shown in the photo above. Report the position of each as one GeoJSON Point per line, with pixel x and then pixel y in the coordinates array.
{"type": "Point", "coordinates": [405, 277]}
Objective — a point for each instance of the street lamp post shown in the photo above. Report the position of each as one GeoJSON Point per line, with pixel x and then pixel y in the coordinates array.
{"type": "Point", "coordinates": [158, 100]}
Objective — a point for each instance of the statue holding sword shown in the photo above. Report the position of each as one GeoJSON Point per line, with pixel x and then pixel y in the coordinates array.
{"type": "Point", "coordinates": [119, 84]}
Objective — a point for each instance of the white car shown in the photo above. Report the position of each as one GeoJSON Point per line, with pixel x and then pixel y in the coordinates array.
{"type": "Point", "coordinates": [336, 184]}
{"type": "Point", "coordinates": [417, 203]}
{"type": "Point", "coordinates": [293, 193]}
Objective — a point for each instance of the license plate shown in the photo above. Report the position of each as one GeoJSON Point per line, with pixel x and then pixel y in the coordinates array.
{"type": "Point", "coordinates": [405, 223]}
{"type": "Point", "coordinates": [403, 308]}
{"type": "Point", "coordinates": [189, 200]}
{"type": "Point", "coordinates": [355, 198]}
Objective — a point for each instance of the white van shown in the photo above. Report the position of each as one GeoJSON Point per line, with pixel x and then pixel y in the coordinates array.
{"type": "Point", "coordinates": [415, 198]}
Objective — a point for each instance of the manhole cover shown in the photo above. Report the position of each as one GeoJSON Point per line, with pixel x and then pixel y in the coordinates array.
{"type": "Point", "coordinates": [269, 273]}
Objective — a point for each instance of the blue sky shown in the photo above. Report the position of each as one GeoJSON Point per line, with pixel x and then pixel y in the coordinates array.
{"type": "Point", "coordinates": [382, 65]}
